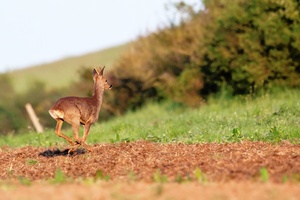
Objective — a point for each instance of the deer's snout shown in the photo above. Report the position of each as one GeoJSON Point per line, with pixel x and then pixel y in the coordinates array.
{"type": "Point", "coordinates": [110, 87]}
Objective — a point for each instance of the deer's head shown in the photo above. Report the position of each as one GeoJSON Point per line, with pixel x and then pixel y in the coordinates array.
{"type": "Point", "coordinates": [100, 80]}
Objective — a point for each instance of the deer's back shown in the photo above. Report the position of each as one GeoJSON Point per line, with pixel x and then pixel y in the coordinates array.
{"type": "Point", "coordinates": [73, 109]}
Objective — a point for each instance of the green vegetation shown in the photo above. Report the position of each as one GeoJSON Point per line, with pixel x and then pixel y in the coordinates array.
{"type": "Point", "coordinates": [242, 46]}
{"type": "Point", "coordinates": [101, 176]}
{"type": "Point", "coordinates": [271, 116]}
{"type": "Point", "coordinates": [200, 176]}
{"type": "Point", "coordinates": [264, 174]}
{"type": "Point", "coordinates": [59, 177]}
{"type": "Point", "coordinates": [158, 177]}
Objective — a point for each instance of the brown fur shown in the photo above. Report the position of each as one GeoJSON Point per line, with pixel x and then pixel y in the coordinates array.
{"type": "Point", "coordinates": [80, 110]}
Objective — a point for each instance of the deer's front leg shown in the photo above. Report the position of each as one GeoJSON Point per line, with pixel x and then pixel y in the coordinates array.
{"type": "Point", "coordinates": [85, 134]}
{"type": "Point", "coordinates": [75, 128]}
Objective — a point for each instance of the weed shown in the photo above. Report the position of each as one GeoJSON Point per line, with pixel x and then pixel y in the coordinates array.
{"type": "Point", "coordinates": [264, 174]}
{"type": "Point", "coordinates": [101, 176]}
{"type": "Point", "coordinates": [31, 162]}
{"type": "Point", "coordinates": [116, 139]}
{"type": "Point", "coordinates": [158, 177]}
{"type": "Point", "coordinates": [154, 138]}
{"type": "Point", "coordinates": [236, 135]}
{"type": "Point", "coordinates": [179, 179]}
{"type": "Point", "coordinates": [59, 177]}
{"type": "Point", "coordinates": [200, 176]}
{"type": "Point", "coordinates": [274, 134]}
{"type": "Point", "coordinates": [24, 181]}
{"type": "Point", "coordinates": [285, 179]}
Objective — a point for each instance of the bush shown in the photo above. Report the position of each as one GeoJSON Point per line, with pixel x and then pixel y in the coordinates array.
{"type": "Point", "coordinates": [251, 44]}
{"type": "Point", "coordinates": [242, 47]}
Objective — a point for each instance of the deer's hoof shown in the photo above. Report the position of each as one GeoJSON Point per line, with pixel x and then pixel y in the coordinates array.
{"type": "Point", "coordinates": [78, 141]}
{"type": "Point", "coordinates": [70, 151]}
{"type": "Point", "coordinates": [73, 148]}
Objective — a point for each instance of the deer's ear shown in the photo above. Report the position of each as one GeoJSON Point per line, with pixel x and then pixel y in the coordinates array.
{"type": "Point", "coordinates": [95, 72]}
{"type": "Point", "coordinates": [101, 72]}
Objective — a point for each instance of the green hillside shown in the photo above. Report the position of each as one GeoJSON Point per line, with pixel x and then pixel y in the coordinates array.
{"type": "Point", "coordinates": [63, 72]}
{"type": "Point", "coordinates": [272, 117]}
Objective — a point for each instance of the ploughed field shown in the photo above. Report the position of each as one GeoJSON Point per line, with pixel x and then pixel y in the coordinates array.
{"type": "Point", "coordinates": [145, 169]}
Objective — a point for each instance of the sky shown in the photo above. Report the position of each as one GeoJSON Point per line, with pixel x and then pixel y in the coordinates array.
{"type": "Point", "coordinates": [33, 32]}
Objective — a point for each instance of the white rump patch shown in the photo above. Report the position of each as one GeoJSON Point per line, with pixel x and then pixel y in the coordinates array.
{"type": "Point", "coordinates": [57, 114]}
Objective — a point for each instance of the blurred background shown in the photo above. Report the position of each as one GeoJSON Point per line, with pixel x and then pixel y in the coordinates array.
{"type": "Point", "coordinates": [179, 51]}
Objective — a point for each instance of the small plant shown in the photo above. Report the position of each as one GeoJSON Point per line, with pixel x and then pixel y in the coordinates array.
{"type": "Point", "coordinates": [274, 134]}
{"type": "Point", "coordinates": [236, 135]}
{"type": "Point", "coordinates": [101, 176]}
{"type": "Point", "coordinates": [179, 179]}
{"type": "Point", "coordinates": [118, 139]}
{"type": "Point", "coordinates": [200, 176]}
{"type": "Point", "coordinates": [285, 179]}
{"type": "Point", "coordinates": [153, 138]}
{"type": "Point", "coordinates": [158, 177]}
{"type": "Point", "coordinates": [31, 162]}
{"type": "Point", "coordinates": [264, 174]}
{"type": "Point", "coordinates": [24, 181]}
{"type": "Point", "coordinates": [59, 177]}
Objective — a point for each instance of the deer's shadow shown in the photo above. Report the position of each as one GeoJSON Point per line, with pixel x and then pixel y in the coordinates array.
{"type": "Point", "coordinates": [57, 152]}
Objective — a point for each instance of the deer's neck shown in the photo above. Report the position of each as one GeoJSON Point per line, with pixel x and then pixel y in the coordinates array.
{"type": "Point", "coordinates": [98, 94]}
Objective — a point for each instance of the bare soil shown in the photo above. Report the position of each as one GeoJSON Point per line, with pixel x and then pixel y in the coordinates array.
{"type": "Point", "coordinates": [136, 170]}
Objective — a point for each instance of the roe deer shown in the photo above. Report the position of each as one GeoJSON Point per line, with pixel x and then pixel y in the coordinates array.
{"type": "Point", "coordinates": [80, 110]}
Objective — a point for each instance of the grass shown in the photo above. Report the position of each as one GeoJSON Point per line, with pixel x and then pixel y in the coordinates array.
{"type": "Point", "coordinates": [267, 118]}
{"type": "Point", "coordinates": [54, 74]}
{"type": "Point", "coordinates": [270, 117]}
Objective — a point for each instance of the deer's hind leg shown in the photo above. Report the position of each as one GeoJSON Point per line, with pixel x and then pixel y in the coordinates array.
{"type": "Point", "coordinates": [59, 123]}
